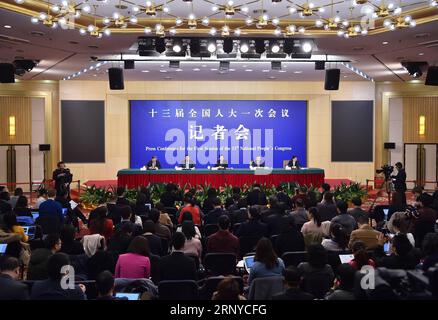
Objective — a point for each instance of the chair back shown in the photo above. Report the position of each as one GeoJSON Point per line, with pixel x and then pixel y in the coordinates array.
{"type": "Point", "coordinates": [265, 288]}
{"type": "Point", "coordinates": [312, 238]}
{"type": "Point", "coordinates": [247, 244]}
{"type": "Point", "coordinates": [317, 284]}
{"type": "Point", "coordinates": [178, 290]}
{"type": "Point", "coordinates": [294, 258]}
{"type": "Point", "coordinates": [220, 263]}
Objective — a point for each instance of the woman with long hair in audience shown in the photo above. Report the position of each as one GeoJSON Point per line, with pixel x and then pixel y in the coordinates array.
{"type": "Point", "coordinates": [22, 207]}
{"type": "Point", "coordinates": [101, 224]}
{"type": "Point", "coordinates": [361, 256]}
{"type": "Point", "coordinates": [398, 224]}
{"type": "Point", "coordinates": [135, 264]}
{"type": "Point", "coordinates": [11, 225]}
{"type": "Point", "coordinates": [228, 289]}
{"type": "Point", "coordinates": [338, 240]}
{"type": "Point", "coordinates": [266, 262]}
{"type": "Point", "coordinates": [187, 216]}
{"type": "Point", "coordinates": [314, 225]}
{"type": "Point", "coordinates": [192, 245]}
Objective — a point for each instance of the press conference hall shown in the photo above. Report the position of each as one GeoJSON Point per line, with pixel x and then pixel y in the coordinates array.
{"type": "Point", "coordinates": [214, 158]}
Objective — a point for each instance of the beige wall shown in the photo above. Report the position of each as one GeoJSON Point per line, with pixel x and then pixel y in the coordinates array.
{"type": "Point", "coordinates": [117, 120]}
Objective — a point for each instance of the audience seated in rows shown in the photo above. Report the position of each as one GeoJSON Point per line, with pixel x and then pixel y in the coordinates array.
{"type": "Point", "coordinates": [135, 264]}
{"type": "Point", "coordinates": [366, 234]}
{"type": "Point", "coordinates": [223, 241]}
{"type": "Point", "coordinates": [266, 262]}
{"type": "Point", "coordinates": [10, 287]}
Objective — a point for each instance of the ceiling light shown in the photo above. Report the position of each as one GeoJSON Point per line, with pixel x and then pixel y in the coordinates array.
{"type": "Point", "coordinates": [172, 31]}
{"type": "Point", "coordinates": [211, 47]}
{"type": "Point", "coordinates": [86, 8]}
{"type": "Point", "coordinates": [337, 19]}
{"type": "Point", "coordinates": [306, 47]}
{"type": "Point", "coordinates": [275, 48]}
{"type": "Point", "coordinates": [55, 8]}
{"type": "Point", "coordinates": [345, 23]}
{"type": "Point", "coordinates": [244, 9]}
{"type": "Point", "coordinates": [340, 33]}
{"type": "Point", "coordinates": [106, 20]}
{"type": "Point", "coordinates": [166, 9]}
{"type": "Point", "coordinates": [318, 23]}
{"type": "Point", "coordinates": [7, 26]}
{"type": "Point", "coordinates": [34, 20]}
{"type": "Point", "coordinates": [275, 21]}
{"type": "Point", "coordinates": [116, 15]}
{"type": "Point", "coordinates": [277, 31]}
{"type": "Point", "coordinates": [237, 32]}
{"type": "Point", "coordinates": [364, 32]}
{"type": "Point", "coordinates": [265, 17]}
{"type": "Point", "coordinates": [82, 31]}
{"type": "Point", "coordinates": [147, 30]}
{"type": "Point", "coordinates": [248, 70]}
{"type": "Point", "coordinates": [148, 3]}
{"type": "Point", "coordinates": [205, 21]}
{"type": "Point", "coordinates": [176, 48]}
{"type": "Point", "coordinates": [135, 9]}
{"type": "Point", "coordinates": [213, 31]}
{"type": "Point", "coordinates": [244, 48]}
{"type": "Point", "coordinates": [62, 21]}
{"type": "Point", "coordinates": [196, 69]}
{"type": "Point", "coordinates": [145, 71]}
{"type": "Point", "coordinates": [107, 32]}
{"type": "Point", "coordinates": [311, 5]}
{"type": "Point", "coordinates": [321, 9]}
{"type": "Point", "coordinates": [178, 21]}
{"type": "Point", "coordinates": [292, 10]}
{"type": "Point", "coordinates": [214, 8]}
{"type": "Point", "coordinates": [301, 30]}
{"type": "Point", "coordinates": [398, 10]}
{"type": "Point", "coordinates": [390, 6]}
{"type": "Point", "coordinates": [19, 1]}
{"type": "Point", "coordinates": [434, 3]}
{"type": "Point", "coordinates": [43, 16]}
{"type": "Point", "coordinates": [192, 16]}
{"type": "Point", "coordinates": [133, 19]}
{"type": "Point", "coordinates": [385, 42]}
{"type": "Point", "coordinates": [249, 21]}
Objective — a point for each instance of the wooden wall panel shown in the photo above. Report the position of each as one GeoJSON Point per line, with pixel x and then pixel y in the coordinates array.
{"type": "Point", "coordinates": [413, 108]}
{"type": "Point", "coordinates": [20, 108]}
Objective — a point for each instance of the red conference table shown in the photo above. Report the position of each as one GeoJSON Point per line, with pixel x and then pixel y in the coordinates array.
{"type": "Point", "coordinates": [132, 178]}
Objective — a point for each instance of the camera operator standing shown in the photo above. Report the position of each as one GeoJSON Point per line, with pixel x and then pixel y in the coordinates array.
{"type": "Point", "coordinates": [399, 181]}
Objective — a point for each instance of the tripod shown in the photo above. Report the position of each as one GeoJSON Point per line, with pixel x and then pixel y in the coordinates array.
{"type": "Point", "coordinates": [387, 186]}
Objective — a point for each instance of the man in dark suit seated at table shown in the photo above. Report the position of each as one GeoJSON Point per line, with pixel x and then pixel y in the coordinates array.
{"type": "Point", "coordinates": [153, 164]}
{"type": "Point", "coordinates": [221, 163]}
{"type": "Point", "coordinates": [10, 287]}
{"type": "Point", "coordinates": [293, 163]}
{"type": "Point", "coordinates": [177, 266]}
{"type": "Point", "coordinates": [187, 164]}
{"type": "Point", "coordinates": [257, 163]}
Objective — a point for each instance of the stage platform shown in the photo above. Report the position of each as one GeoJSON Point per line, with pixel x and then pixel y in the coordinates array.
{"type": "Point", "coordinates": [132, 178]}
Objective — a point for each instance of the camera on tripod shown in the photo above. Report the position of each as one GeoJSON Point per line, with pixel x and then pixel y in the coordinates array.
{"type": "Point", "coordinates": [386, 169]}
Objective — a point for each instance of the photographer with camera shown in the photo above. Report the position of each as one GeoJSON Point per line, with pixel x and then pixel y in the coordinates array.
{"type": "Point", "coordinates": [399, 181]}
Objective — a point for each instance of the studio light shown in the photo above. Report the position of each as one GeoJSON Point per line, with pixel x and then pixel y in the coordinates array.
{"type": "Point", "coordinates": [211, 47]}
{"type": "Point", "coordinates": [244, 47]}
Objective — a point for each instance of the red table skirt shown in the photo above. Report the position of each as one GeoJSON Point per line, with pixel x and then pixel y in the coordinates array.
{"type": "Point", "coordinates": [217, 180]}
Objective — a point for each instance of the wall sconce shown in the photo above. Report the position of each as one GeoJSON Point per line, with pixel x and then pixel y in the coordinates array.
{"type": "Point", "coordinates": [12, 126]}
{"type": "Point", "coordinates": [422, 125]}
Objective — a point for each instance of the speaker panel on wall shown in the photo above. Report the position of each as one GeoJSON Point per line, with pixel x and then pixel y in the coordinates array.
{"type": "Point", "coordinates": [332, 77]}
{"type": "Point", "coordinates": [432, 76]}
{"type": "Point", "coordinates": [115, 76]}
{"type": "Point", "coordinates": [389, 145]}
{"type": "Point", "coordinates": [7, 73]}
{"type": "Point", "coordinates": [44, 147]}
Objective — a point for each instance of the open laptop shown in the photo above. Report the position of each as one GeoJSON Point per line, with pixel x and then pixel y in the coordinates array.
{"type": "Point", "coordinates": [35, 215]}
{"type": "Point", "coordinates": [248, 262]}
{"type": "Point", "coordinates": [3, 247]}
{"type": "Point", "coordinates": [29, 231]}
{"type": "Point", "coordinates": [129, 296]}
{"type": "Point", "coordinates": [385, 214]}
{"type": "Point", "coordinates": [346, 258]}
{"type": "Point", "coordinates": [64, 211]}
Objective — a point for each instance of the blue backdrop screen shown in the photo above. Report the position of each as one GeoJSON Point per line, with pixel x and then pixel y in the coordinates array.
{"type": "Point", "coordinates": [239, 129]}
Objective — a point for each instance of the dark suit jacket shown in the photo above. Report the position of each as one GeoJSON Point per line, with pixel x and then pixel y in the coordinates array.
{"type": "Point", "coordinates": [213, 216]}
{"type": "Point", "coordinates": [51, 290]}
{"type": "Point", "coordinates": [252, 228]}
{"type": "Point", "coordinates": [291, 164]}
{"type": "Point", "coordinates": [177, 266]}
{"type": "Point", "coordinates": [224, 165]}
{"type": "Point", "coordinates": [254, 164]}
{"type": "Point", "coordinates": [11, 289]}
{"type": "Point", "coordinates": [183, 164]}
{"type": "Point", "coordinates": [288, 241]}
{"type": "Point", "coordinates": [284, 198]}
{"type": "Point", "coordinates": [253, 197]}
{"type": "Point", "coordinates": [327, 211]}
{"type": "Point", "coordinates": [61, 177]}
{"type": "Point", "coordinates": [155, 244]}
{"type": "Point", "coordinates": [293, 294]}
{"type": "Point", "coordinates": [157, 164]}
{"type": "Point", "coordinates": [400, 181]}
{"type": "Point", "coordinates": [276, 223]}
{"type": "Point", "coordinates": [5, 207]}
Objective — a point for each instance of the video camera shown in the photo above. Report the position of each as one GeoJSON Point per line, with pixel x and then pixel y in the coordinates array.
{"type": "Point", "coordinates": [386, 170]}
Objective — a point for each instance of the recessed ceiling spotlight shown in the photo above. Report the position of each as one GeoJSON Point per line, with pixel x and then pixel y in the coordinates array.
{"type": "Point", "coordinates": [421, 54]}
{"type": "Point", "coordinates": [248, 70]}
{"type": "Point", "coordinates": [196, 69]}
{"type": "Point", "coordinates": [19, 1]}
{"type": "Point", "coordinates": [7, 26]}
{"type": "Point", "coordinates": [265, 70]}
{"type": "Point", "coordinates": [163, 71]}
{"type": "Point", "coordinates": [385, 43]}
{"type": "Point", "coordinates": [298, 71]}
{"type": "Point", "coordinates": [237, 32]}
{"type": "Point", "coordinates": [145, 71]}
{"type": "Point", "coordinates": [214, 8]}
{"type": "Point", "coordinates": [271, 77]}
{"type": "Point", "coordinates": [213, 31]}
